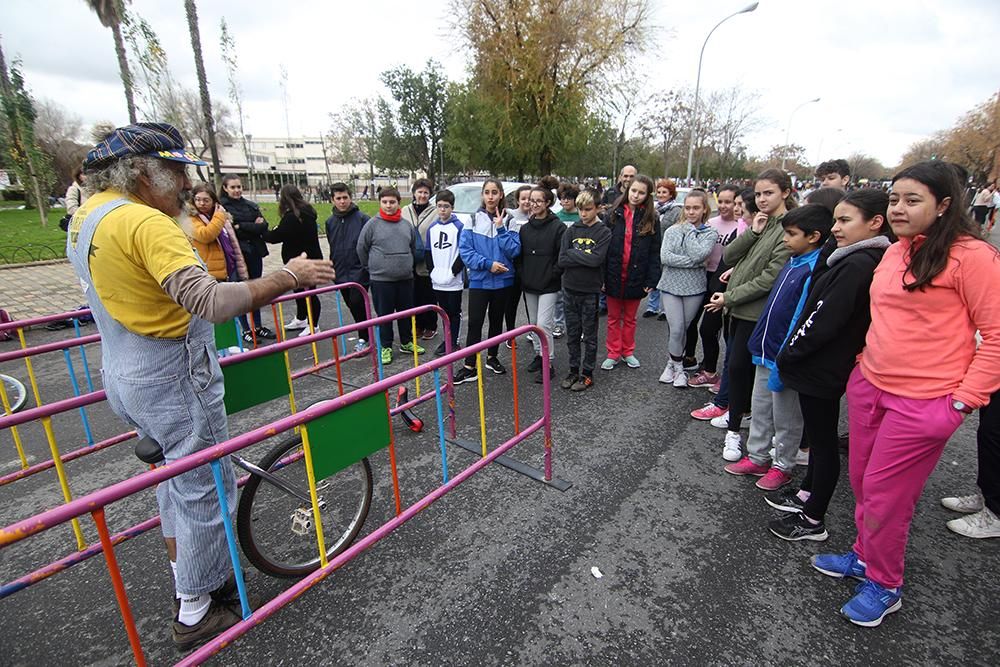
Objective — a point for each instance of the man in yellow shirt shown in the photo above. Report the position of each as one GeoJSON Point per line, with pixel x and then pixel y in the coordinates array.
{"type": "Point", "coordinates": [154, 304]}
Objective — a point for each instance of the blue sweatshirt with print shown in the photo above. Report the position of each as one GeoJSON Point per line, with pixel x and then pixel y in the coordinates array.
{"type": "Point", "coordinates": [480, 244]}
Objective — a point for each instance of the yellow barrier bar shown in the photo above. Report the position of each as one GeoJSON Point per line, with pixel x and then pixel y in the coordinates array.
{"type": "Point", "coordinates": [309, 317]}
{"type": "Point", "coordinates": [482, 402]}
{"type": "Point", "coordinates": [13, 429]}
{"type": "Point", "coordinates": [314, 496]}
{"type": "Point", "coordinates": [416, 357]}
{"type": "Point", "coordinates": [53, 447]}
{"type": "Point", "coordinates": [288, 369]}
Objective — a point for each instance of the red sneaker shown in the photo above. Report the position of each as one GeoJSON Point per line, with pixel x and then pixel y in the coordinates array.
{"type": "Point", "coordinates": [708, 412]}
{"type": "Point", "coordinates": [747, 467]}
{"type": "Point", "coordinates": [716, 388]}
{"type": "Point", "coordinates": [703, 379]}
{"type": "Point", "coordinates": [774, 479]}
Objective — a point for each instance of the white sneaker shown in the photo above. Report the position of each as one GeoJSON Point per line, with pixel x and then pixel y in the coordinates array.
{"type": "Point", "coordinates": [296, 323]}
{"type": "Point", "coordinates": [667, 376]}
{"type": "Point", "coordinates": [306, 332]}
{"type": "Point", "coordinates": [722, 421]}
{"type": "Point", "coordinates": [731, 450]}
{"type": "Point", "coordinates": [802, 457]}
{"type": "Point", "coordinates": [680, 376]}
{"type": "Point", "coordinates": [361, 345]}
{"type": "Point", "coordinates": [983, 523]}
{"type": "Point", "coordinates": [964, 504]}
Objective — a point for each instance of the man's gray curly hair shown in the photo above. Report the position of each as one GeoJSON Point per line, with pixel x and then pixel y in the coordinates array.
{"type": "Point", "coordinates": [123, 175]}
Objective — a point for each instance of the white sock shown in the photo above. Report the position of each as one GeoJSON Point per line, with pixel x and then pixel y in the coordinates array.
{"type": "Point", "coordinates": [194, 608]}
{"type": "Point", "coordinates": [173, 568]}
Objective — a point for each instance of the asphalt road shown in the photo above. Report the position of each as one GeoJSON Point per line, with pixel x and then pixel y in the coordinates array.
{"type": "Point", "coordinates": [500, 570]}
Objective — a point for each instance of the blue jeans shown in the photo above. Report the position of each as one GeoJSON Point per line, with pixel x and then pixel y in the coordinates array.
{"type": "Point", "coordinates": [721, 399]}
{"type": "Point", "coordinates": [653, 303]}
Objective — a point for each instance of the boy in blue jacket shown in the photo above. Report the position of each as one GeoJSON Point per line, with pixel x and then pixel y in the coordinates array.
{"type": "Point", "coordinates": [776, 412]}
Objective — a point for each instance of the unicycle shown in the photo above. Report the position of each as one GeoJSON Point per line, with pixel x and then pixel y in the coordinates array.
{"type": "Point", "coordinates": [17, 395]}
{"type": "Point", "coordinates": [274, 519]}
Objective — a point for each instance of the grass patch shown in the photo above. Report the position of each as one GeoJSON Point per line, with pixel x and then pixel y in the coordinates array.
{"type": "Point", "coordinates": [23, 239]}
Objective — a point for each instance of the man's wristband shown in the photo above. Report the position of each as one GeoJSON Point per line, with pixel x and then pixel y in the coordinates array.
{"type": "Point", "coordinates": [292, 274]}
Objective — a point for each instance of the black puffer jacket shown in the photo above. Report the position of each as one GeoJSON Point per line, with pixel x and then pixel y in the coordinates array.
{"type": "Point", "coordinates": [297, 235]}
{"type": "Point", "coordinates": [644, 260]}
{"type": "Point", "coordinates": [249, 232]}
{"type": "Point", "coordinates": [538, 262]}
{"type": "Point", "coordinates": [342, 231]}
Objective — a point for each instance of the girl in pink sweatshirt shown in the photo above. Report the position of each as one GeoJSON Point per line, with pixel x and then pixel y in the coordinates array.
{"type": "Point", "coordinates": [919, 375]}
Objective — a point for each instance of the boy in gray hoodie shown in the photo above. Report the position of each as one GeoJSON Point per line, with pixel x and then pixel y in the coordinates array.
{"type": "Point", "coordinates": [388, 248]}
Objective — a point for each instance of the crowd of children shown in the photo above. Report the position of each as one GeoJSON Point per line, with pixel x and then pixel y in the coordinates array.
{"type": "Point", "coordinates": [879, 296]}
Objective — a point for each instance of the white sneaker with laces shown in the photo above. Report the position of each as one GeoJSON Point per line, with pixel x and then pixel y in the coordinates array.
{"type": "Point", "coordinates": [983, 523]}
{"type": "Point", "coordinates": [361, 345]}
{"type": "Point", "coordinates": [306, 332]}
{"type": "Point", "coordinates": [722, 421]}
{"type": "Point", "coordinates": [964, 504]}
{"type": "Point", "coordinates": [296, 323]}
{"type": "Point", "coordinates": [667, 376]}
{"type": "Point", "coordinates": [680, 376]}
{"type": "Point", "coordinates": [731, 451]}
{"type": "Point", "coordinates": [802, 457]}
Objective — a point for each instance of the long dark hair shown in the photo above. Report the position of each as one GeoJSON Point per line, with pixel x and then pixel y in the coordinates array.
{"type": "Point", "coordinates": [931, 257]}
{"type": "Point", "coordinates": [647, 225]}
{"type": "Point", "coordinates": [290, 200]}
{"type": "Point", "coordinates": [870, 202]}
{"type": "Point", "coordinates": [783, 181]}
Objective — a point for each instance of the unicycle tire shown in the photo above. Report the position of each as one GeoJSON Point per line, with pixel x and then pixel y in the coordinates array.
{"type": "Point", "coordinates": [276, 529]}
{"type": "Point", "coordinates": [17, 395]}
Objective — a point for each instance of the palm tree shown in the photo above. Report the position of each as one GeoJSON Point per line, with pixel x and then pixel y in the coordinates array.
{"type": "Point", "coordinates": [109, 13]}
{"type": "Point", "coordinates": [206, 101]}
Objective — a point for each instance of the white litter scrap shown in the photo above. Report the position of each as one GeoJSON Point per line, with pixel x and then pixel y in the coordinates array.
{"type": "Point", "coordinates": [596, 572]}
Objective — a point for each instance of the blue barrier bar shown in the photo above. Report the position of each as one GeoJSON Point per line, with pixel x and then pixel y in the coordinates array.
{"type": "Point", "coordinates": [227, 521]}
{"type": "Point", "coordinates": [76, 392]}
{"type": "Point", "coordinates": [440, 412]}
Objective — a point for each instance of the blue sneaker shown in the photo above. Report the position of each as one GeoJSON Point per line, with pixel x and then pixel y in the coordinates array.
{"type": "Point", "coordinates": [871, 604]}
{"type": "Point", "coordinates": [839, 565]}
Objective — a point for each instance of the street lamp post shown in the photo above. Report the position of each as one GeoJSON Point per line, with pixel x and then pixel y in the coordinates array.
{"type": "Point", "coordinates": [697, 83]}
{"type": "Point", "coordinates": [788, 130]}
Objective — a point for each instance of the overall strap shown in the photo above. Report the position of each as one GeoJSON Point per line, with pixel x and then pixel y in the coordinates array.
{"type": "Point", "coordinates": [79, 254]}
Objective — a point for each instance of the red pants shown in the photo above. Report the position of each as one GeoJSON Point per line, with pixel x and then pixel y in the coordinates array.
{"type": "Point", "coordinates": [895, 444]}
{"type": "Point", "coordinates": [621, 327]}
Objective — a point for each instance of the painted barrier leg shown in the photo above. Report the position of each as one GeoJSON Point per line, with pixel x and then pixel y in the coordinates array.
{"type": "Point", "coordinates": [416, 359]}
{"type": "Point", "coordinates": [513, 364]}
{"type": "Point", "coordinates": [314, 496]}
{"type": "Point", "coordinates": [83, 358]}
{"type": "Point", "coordinates": [340, 323]}
{"type": "Point", "coordinates": [119, 586]}
{"type": "Point", "coordinates": [76, 392]}
{"type": "Point", "coordinates": [392, 457]}
{"type": "Point", "coordinates": [482, 402]}
{"type": "Point", "coordinates": [378, 354]}
{"type": "Point", "coordinates": [440, 413]}
{"type": "Point", "coordinates": [312, 330]}
{"type": "Point", "coordinates": [227, 521]}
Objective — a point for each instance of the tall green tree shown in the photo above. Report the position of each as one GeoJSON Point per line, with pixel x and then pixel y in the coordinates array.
{"type": "Point", "coordinates": [206, 100]}
{"type": "Point", "coordinates": [109, 13]}
{"type": "Point", "coordinates": [538, 61]}
{"type": "Point", "coordinates": [422, 99]}
{"type": "Point", "coordinates": [30, 164]}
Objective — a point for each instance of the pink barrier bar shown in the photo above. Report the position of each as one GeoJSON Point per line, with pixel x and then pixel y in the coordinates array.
{"type": "Point", "coordinates": [49, 347]}
{"type": "Point", "coordinates": [70, 456]}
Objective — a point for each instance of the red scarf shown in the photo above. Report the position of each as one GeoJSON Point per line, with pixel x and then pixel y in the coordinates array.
{"type": "Point", "coordinates": [396, 217]}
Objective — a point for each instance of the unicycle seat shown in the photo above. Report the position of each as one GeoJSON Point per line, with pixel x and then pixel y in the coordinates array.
{"type": "Point", "coordinates": [149, 451]}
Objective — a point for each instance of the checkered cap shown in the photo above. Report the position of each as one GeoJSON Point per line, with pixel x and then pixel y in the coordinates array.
{"type": "Point", "coordinates": [158, 140]}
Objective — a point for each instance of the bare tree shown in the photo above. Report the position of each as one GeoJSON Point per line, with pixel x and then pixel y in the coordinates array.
{"type": "Point", "coordinates": [109, 13]}
{"type": "Point", "coordinates": [664, 120]}
{"type": "Point", "coordinates": [60, 135]}
{"type": "Point", "coordinates": [236, 94]}
{"type": "Point", "coordinates": [735, 116]}
{"type": "Point", "coordinates": [208, 120]}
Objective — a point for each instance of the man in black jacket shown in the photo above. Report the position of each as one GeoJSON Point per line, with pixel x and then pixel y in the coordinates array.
{"type": "Point", "coordinates": [625, 179]}
{"type": "Point", "coordinates": [342, 231]}
{"type": "Point", "coordinates": [250, 228]}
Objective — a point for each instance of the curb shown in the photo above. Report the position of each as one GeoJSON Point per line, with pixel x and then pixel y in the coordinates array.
{"type": "Point", "coordinates": [43, 262]}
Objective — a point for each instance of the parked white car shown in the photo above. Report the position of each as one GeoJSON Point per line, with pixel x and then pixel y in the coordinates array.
{"type": "Point", "coordinates": [468, 197]}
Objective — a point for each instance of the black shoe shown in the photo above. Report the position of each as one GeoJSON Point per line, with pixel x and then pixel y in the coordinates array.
{"type": "Point", "coordinates": [584, 383]}
{"type": "Point", "coordinates": [540, 378]}
{"type": "Point", "coordinates": [795, 527]}
{"type": "Point", "coordinates": [648, 314]}
{"type": "Point", "coordinates": [570, 380]}
{"type": "Point", "coordinates": [785, 500]}
{"type": "Point", "coordinates": [248, 338]}
{"type": "Point", "coordinates": [465, 375]}
{"type": "Point", "coordinates": [661, 318]}
{"type": "Point", "coordinates": [264, 332]}
{"type": "Point", "coordinates": [494, 365]}
{"type": "Point", "coordinates": [220, 617]}
{"type": "Point", "coordinates": [535, 365]}
{"type": "Point", "coordinates": [439, 351]}
{"type": "Point", "coordinates": [601, 312]}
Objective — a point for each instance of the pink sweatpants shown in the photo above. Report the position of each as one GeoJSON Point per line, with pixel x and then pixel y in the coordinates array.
{"type": "Point", "coordinates": [895, 444]}
{"type": "Point", "coordinates": [621, 327]}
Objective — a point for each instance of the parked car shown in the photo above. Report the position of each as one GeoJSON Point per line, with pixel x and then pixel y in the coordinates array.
{"type": "Point", "coordinates": [468, 197]}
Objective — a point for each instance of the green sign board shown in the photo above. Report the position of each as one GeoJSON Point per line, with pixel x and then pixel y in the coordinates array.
{"type": "Point", "coordinates": [255, 381]}
{"type": "Point", "coordinates": [345, 436]}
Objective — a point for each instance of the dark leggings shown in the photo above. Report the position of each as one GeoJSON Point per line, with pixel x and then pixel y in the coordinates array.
{"type": "Point", "coordinates": [451, 301]}
{"type": "Point", "coordinates": [302, 312]}
{"type": "Point", "coordinates": [741, 371]}
{"type": "Point", "coordinates": [708, 324]}
{"type": "Point", "coordinates": [513, 301]}
{"type": "Point", "coordinates": [988, 444]}
{"type": "Point", "coordinates": [480, 301]}
{"type": "Point", "coordinates": [423, 295]}
{"type": "Point", "coordinates": [820, 417]}
{"type": "Point", "coordinates": [255, 269]}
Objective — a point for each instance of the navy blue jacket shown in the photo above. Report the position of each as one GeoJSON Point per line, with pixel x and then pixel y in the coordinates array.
{"type": "Point", "coordinates": [342, 231]}
{"type": "Point", "coordinates": [782, 308]}
{"type": "Point", "coordinates": [644, 260]}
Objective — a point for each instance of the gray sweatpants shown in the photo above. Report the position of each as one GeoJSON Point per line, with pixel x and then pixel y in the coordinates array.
{"type": "Point", "coordinates": [680, 311]}
{"type": "Point", "coordinates": [777, 416]}
{"type": "Point", "coordinates": [542, 311]}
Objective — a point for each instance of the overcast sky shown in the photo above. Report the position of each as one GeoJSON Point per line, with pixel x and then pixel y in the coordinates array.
{"type": "Point", "coordinates": [888, 72]}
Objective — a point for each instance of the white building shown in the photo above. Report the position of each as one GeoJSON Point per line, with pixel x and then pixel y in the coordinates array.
{"type": "Point", "coordinates": [299, 160]}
